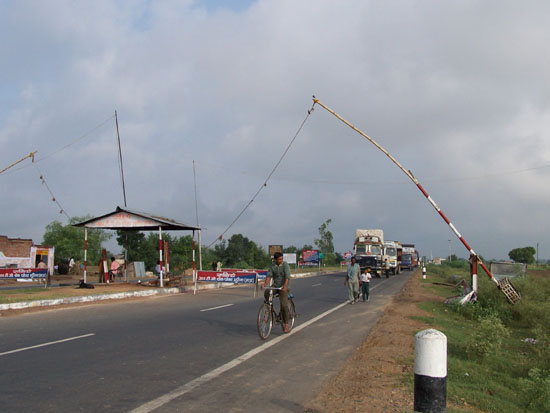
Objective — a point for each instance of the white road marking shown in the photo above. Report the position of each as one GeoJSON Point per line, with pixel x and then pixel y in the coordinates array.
{"type": "Point", "coordinates": [215, 308]}
{"type": "Point", "coordinates": [46, 344]}
{"type": "Point", "coordinates": [193, 384]}
{"type": "Point", "coordinates": [317, 285]}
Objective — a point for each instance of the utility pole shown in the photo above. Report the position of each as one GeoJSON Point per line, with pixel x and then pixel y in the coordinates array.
{"type": "Point", "coordinates": [450, 251]}
{"type": "Point", "coordinates": [537, 253]}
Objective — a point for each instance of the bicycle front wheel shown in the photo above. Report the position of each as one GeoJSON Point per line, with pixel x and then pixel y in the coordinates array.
{"type": "Point", "coordinates": [265, 321]}
{"type": "Point", "coordinates": [291, 313]}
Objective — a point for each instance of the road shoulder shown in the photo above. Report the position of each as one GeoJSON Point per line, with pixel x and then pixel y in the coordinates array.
{"type": "Point", "coordinates": [372, 379]}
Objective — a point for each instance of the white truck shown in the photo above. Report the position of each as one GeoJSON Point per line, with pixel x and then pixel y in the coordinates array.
{"type": "Point", "coordinates": [393, 251]}
{"type": "Point", "coordinates": [368, 249]}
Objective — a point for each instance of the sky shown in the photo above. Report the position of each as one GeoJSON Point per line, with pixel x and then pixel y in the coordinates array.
{"type": "Point", "coordinates": [457, 91]}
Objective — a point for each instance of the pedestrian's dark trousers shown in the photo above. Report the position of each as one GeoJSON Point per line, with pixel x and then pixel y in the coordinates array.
{"type": "Point", "coordinates": [365, 288]}
{"type": "Point", "coordinates": [283, 298]}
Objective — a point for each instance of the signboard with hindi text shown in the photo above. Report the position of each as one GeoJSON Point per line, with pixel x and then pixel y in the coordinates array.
{"type": "Point", "coordinates": [234, 277]}
{"type": "Point", "coordinates": [27, 273]}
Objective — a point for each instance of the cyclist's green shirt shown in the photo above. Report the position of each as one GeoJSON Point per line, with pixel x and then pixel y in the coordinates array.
{"type": "Point", "coordinates": [278, 273]}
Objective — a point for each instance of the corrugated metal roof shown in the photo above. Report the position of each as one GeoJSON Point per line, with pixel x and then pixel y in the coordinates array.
{"type": "Point", "coordinates": [123, 218]}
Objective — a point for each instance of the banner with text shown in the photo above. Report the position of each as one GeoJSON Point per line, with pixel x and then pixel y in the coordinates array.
{"type": "Point", "coordinates": [234, 277]}
{"type": "Point", "coordinates": [23, 272]}
{"type": "Point", "coordinates": [310, 256]}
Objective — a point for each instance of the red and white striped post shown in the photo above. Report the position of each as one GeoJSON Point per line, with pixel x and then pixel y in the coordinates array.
{"type": "Point", "coordinates": [473, 272]}
{"type": "Point", "coordinates": [194, 269]}
{"type": "Point", "coordinates": [105, 269]}
{"type": "Point", "coordinates": [160, 256]}
{"type": "Point", "coordinates": [167, 256]}
{"type": "Point", "coordinates": [85, 252]}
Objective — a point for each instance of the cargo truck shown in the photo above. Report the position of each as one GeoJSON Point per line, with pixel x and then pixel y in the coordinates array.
{"type": "Point", "coordinates": [410, 257]}
{"type": "Point", "coordinates": [368, 249]}
{"type": "Point", "coordinates": [394, 252]}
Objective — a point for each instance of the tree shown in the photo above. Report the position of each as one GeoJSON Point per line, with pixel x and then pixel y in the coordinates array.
{"type": "Point", "coordinates": [524, 255]}
{"type": "Point", "coordinates": [69, 241]}
{"type": "Point", "coordinates": [136, 244]}
{"type": "Point", "coordinates": [325, 244]}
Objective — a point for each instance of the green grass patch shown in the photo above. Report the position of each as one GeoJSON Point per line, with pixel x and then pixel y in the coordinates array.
{"type": "Point", "coordinates": [34, 294]}
{"type": "Point", "coordinates": [490, 366]}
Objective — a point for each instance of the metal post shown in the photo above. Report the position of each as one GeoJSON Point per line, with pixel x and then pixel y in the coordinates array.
{"type": "Point", "coordinates": [194, 267]}
{"type": "Point", "coordinates": [167, 256]}
{"type": "Point", "coordinates": [85, 252]}
{"type": "Point", "coordinates": [473, 272]}
{"type": "Point", "coordinates": [430, 372]}
{"type": "Point", "coordinates": [200, 251]}
{"type": "Point", "coordinates": [160, 257]}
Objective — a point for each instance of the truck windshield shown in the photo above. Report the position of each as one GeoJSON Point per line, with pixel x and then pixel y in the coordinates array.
{"type": "Point", "coordinates": [360, 250]}
{"type": "Point", "coordinates": [391, 252]}
{"type": "Point", "coordinates": [375, 250]}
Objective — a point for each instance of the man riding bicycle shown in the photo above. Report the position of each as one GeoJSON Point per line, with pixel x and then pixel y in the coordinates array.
{"type": "Point", "coordinates": [279, 271]}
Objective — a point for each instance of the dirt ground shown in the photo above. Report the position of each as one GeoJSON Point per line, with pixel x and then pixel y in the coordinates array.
{"type": "Point", "coordinates": [372, 379]}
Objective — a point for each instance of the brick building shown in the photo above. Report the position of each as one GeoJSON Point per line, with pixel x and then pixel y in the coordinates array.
{"type": "Point", "coordinates": [23, 253]}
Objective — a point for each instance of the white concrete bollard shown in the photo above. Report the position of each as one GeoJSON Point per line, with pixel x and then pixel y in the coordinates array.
{"type": "Point", "coordinates": [430, 372]}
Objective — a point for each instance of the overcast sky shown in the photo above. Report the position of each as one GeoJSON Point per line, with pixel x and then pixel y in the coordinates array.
{"type": "Point", "coordinates": [457, 91]}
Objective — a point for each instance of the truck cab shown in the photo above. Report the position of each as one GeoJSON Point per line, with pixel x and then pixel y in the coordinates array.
{"type": "Point", "coordinates": [407, 262]}
{"type": "Point", "coordinates": [393, 251]}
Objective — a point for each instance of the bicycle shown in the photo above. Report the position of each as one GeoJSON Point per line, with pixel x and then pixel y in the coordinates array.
{"type": "Point", "coordinates": [267, 314]}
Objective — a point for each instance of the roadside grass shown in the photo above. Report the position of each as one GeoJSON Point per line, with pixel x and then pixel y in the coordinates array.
{"type": "Point", "coordinates": [34, 294]}
{"type": "Point", "coordinates": [490, 365]}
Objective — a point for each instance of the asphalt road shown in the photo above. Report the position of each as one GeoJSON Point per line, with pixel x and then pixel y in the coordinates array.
{"type": "Point", "coordinates": [184, 352]}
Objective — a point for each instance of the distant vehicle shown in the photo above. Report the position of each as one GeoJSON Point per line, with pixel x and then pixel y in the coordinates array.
{"type": "Point", "coordinates": [394, 252]}
{"type": "Point", "coordinates": [407, 262]}
{"type": "Point", "coordinates": [409, 249]}
{"type": "Point", "coordinates": [368, 249]}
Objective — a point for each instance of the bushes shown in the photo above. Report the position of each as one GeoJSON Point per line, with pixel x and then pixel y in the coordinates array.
{"type": "Point", "coordinates": [536, 390]}
{"type": "Point", "coordinates": [488, 337]}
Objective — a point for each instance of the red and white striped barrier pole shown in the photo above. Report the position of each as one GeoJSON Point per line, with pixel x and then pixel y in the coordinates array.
{"type": "Point", "coordinates": [512, 296]}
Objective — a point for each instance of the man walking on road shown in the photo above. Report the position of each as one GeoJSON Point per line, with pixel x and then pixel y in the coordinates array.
{"type": "Point", "coordinates": [279, 271]}
{"type": "Point", "coordinates": [352, 279]}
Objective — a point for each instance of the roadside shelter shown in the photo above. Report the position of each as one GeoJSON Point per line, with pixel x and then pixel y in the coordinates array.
{"type": "Point", "coordinates": [126, 219]}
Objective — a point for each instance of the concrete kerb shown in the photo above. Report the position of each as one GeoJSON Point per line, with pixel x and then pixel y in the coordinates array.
{"type": "Point", "coordinates": [122, 295]}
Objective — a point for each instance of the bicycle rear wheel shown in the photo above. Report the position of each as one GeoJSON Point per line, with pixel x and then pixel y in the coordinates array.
{"type": "Point", "coordinates": [291, 313]}
{"type": "Point", "coordinates": [265, 321]}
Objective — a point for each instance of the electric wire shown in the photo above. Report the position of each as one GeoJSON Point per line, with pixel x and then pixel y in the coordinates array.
{"type": "Point", "coordinates": [219, 238]}
{"type": "Point", "coordinates": [74, 141]}
{"type": "Point", "coordinates": [54, 199]}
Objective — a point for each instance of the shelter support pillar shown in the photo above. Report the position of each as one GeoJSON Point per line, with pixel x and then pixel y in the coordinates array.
{"type": "Point", "coordinates": [194, 266]}
{"type": "Point", "coordinates": [85, 252]}
{"type": "Point", "coordinates": [160, 257]}
{"type": "Point", "coordinates": [200, 251]}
